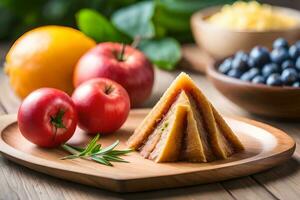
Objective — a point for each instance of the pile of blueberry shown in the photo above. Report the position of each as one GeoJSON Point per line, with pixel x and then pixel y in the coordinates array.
{"type": "Point", "coordinates": [280, 67]}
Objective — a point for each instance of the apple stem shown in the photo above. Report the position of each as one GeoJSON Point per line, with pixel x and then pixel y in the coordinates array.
{"type": "Point", "coordinates": [108, 89]}
{"type": "Point", "coordinates": [121, 55]}
{"type": "Point", "coordinates": [57, 121]}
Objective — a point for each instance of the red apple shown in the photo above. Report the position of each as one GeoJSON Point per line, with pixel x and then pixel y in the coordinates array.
{"type": "Point", "coordinates": [130, 68]}
{"type": "Point", "coordinates": [102, 105]}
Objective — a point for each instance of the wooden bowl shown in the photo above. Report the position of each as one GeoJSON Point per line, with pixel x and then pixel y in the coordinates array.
{"type": "Point", "coordinates": [221, 42]}
{"type": "Point", "coordinates": [275, 102]}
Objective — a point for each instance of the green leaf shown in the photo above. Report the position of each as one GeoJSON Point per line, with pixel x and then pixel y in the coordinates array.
{"type": "Point", "coordinates": [174, 15]}
{"type": "Point", "coordinates": [170, 21]}
{"type": "Point", "coordinates": [70, 157]}
{"type": "Point", "coordinates": [90, 146]}
{"type": "Point", "coordinates": [70, 149]}
{"type": "Point", "coordinates": [96, 148]}
{"type": "Point", "coordinates": [96, 26]}
{"type": "Point", "coordinates": [101, 161]}
{"type": "Point", "coordinates": [107, 149]}
{"type": "Point", "coordinates": [75, 148]}
{"type": "Point", "coordinates": [120, 152]}
{"type": "Point", "coordinates": [184, 7]}
{"type": "Point", "coordinates": [114, 159]}
{"type": "Point", "coordinates": [94, 152]}
{"type": "Point", "coordinates": [165, 53]}
{"type": "Point", "coordinates": [160, 31]}
{"type": "Point", "coordinates": [135, 20]}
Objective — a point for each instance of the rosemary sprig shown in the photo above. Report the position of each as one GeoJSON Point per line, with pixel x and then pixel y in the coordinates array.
{"type": "Point", "coordinates": [93, 151]}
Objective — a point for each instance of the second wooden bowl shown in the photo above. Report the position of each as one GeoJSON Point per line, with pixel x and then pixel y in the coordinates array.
{"type": "Point", "coordinates": [221, 42]}
{"type": "Point", "coordinates": [276, 102]}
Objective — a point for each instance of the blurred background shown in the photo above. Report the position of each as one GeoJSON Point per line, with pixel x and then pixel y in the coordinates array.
{"type": "Point", "coordinates": [171, 16]}
{"type": "Point", "coordinates": [164, 31]}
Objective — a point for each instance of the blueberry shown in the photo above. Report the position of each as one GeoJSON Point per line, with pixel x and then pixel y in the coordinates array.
{"type": "Point", "coordinates": [279, 55]}
{"type": "Point", "coordinates": [246, 77]}
{"type": "Point", "coordinates": [260, 55]}
{"type": "Point", "coordinates": [280, 43]}
{"type": "Point", "coordinates": [296, 84]}
{"type": "Point", "coordinates": [240, 54]}
{"type": "Point", "coordinates": [287, 64]}
{"type": "Point", "coordinates": [270, 68]}
{"type": "Point", "coordinates": [251, 63]}
{"type": "Point", "coordinates": [297, 64]}
{"type": "Point", "coordinates": [225, 66]}
{"type": "Point", "coordinates": [258, 79]}
{"type": "Point", "coordinates": [234, 73]}
{"type": "Point", "coordinates": [289, 76]}
{"type": "Point", "coordinates": [239, 64]}
{"type": "Point", "coordinates": [294, 51]}
{"type": "Point", "coordinates": [254, 71]}
{"type": "Point", "coordinates": [250, 74]}
{"type": "Point", "coordinates": [274, 80]}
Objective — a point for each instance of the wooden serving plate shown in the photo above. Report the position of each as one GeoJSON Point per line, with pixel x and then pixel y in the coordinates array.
{"type": "Point", "coordinates": [265, 147]}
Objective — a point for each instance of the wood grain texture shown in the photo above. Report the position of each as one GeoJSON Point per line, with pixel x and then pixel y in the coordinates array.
{"type": "Point", "coordinates": [2, 110]}
{"type": "Point", "coordinates": [265, 147]}
{"type": "Point", "coordinates": [18, 182]}
{"type": "Point", "coordinates": [8, 99]}
{"type": "Point", "coordinates": [247, 188]}
{"type": "Point", "coordinates": [284, 181]}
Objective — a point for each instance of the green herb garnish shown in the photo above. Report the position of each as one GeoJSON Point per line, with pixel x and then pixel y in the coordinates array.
{"type": "Point", "coordinates": [93, 151]}
{"type": "Point", "coordinates": [165, 125]}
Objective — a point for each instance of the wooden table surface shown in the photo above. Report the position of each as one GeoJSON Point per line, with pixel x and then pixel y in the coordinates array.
{"type": "Point", "coordinates": [282, 182]}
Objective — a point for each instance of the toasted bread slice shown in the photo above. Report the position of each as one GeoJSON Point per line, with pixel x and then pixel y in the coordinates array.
{"type": "Point", "coordinates": [169, 146]}
{"type": "Point", "coordinates": [163, 127]}
{"type": "Point", "coordinates": [197, 145]}
{"type": "Point", "coordinates": [195, 131]}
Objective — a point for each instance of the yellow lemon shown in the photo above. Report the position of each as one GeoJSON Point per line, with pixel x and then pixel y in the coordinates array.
{"type": "Point", "coordinates": [45, 57]}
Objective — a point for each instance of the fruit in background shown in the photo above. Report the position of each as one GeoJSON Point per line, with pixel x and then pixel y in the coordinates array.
{"type": "Point", "coordinates": [250, 74]}
{"type": "Point", "coordinates": [289, 76]}
{"type": "Point", "coordinates": [279, 55]}
{"type": "Point", "coordinates": [280, 43]}
{"type": "Point", "coordinates": [260, 56]}
{"type": "Point", "coordinates": [129, 67]}
{"type": "Point", "coordinates": [297, 64]}
{"type": "Point", "coordinates": [294, 51]}
{"type": "Point", "coordinates": [287, 64]}
{"type": "Point", "coordinates": [274, 80]}
{"type": "Point", "coordinates": [102, 105]}
{"type": "Point", "coordinates": [269, 69]}
{"type": "Point", "coordinates": [47, 117]}
{"type": "Point", "coordinates": [259, 79]}
{"type": "Point", "coordinates": [225, 66]}
{"type": "Point", "coordinates": [253, 16]}
{"type": "Point", "coordinates": [279, 67]}
{"type": "Point", "coordinates": [45, 57]}
{"type": "Point", "coordinates": [235, 73]}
